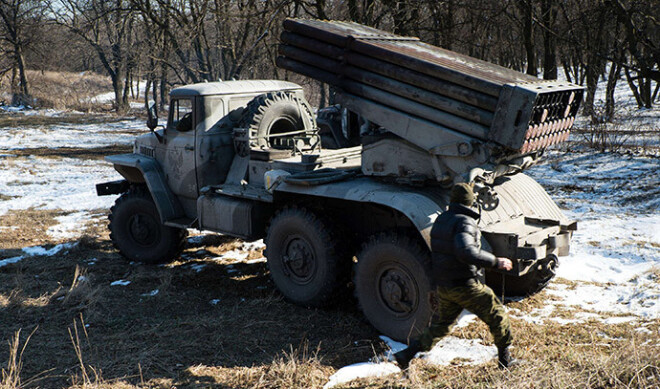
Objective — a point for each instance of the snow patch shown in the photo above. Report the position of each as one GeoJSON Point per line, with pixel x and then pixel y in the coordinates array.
{"type": "Point", "coordinates": [465, 318]}
{"type": "Point", "coordinates": [452, 350]}
{"type": "Point", "coordinates": [361, 370]}
{"type": "Point", "coordinates": [69, 225]}
{"type": "Point", "coordinates": [120, 283]}
{"type": "Point", "coordinates": [42, 251]}
{"type": "Point", "coordinates": [83, 135]}
{"type": "Point", "coordinates": [9, 261]}
{"type": "Point", "coordinates": [66, 184]}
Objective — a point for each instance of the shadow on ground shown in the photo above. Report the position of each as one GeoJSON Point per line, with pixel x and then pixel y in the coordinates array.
{"type": "Point", "coordinates": [167, 320]}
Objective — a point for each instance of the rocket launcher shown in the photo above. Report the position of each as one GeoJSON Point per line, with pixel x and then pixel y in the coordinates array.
{"type": "Point", "coordinates": [428, 95]}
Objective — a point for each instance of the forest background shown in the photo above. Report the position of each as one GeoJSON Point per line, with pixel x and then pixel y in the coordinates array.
{"type": "Point", "coordinates": [172, 42]}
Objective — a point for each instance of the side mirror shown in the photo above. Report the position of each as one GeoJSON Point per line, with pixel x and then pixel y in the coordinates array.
{"type": "Point", "coordinates": [152, 119]}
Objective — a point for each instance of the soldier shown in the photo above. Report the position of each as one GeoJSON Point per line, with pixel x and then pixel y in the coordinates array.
{"type": "Point", "coordinates": [456, 266]}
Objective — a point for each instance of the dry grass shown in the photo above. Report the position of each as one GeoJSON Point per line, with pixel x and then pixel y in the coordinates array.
{"type": "Point", "coordinates": [63, 90]}
{"type": "Point", "coordinates": [28, 227]}
{"type": "Point", "coordinates": [11, 377]}
{"type": "Point", "coordinates": [122, 337]}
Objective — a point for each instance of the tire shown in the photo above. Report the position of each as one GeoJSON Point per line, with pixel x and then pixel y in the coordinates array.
{"type": "Point", "coordinates": [276, 113]}
{"type": "Point", "coordinates": [393, 286]}
{"type": "Point", "coordinates": [137, 232]}
{"type": "Point", "coordinates": [527, 285]}
{"type": "Point", "coordinates": [301, 254]}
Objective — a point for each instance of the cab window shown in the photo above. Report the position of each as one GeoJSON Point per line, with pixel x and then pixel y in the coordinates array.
{"type": "Point", "coordinates": [181, 116]}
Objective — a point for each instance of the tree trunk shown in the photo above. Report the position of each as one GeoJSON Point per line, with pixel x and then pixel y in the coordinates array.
{"type": "Point", "coordinates": [20, 61]}
{"type": "Point", "coordinates": [353, 10]}
{"type": "Point", "coordinates": [645, 90]}
{"type": "Point", "coordinates": [20, 91]}
{"type": "Point", "coordinates": [147, 87]}
{"type": "Point", "coordinates": [549, 12]}
{"type": "Point", "coordinates": [528, 35]}
{"type": "Point", "coordinates": [612, 78]}
{"type": "Point", "coordinates": [118, 88]}
{"type": "Point", "coordinates": [593, 72]}
{"type": "Point", "coordinates": [633, 88]}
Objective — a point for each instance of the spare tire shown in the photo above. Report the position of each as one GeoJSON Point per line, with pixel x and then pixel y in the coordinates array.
{"type": "Point", "coordinates": [276, 113]}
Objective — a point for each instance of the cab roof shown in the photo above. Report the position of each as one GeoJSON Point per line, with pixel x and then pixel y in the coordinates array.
{"type": "Point", "coordinates": [233, 87]}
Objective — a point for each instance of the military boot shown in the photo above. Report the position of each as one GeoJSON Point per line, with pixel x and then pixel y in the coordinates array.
{"type": "Point", "coordinates": [504, 358]}
{"type": "Point", "coordinates": [404, 356]}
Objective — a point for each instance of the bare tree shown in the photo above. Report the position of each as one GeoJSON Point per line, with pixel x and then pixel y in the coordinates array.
{"type": "Point", "coordinates": [641, 25]}
{"type": "Point", "coordinates": [109, 29]}
{"type": "Point", "coordinates": [18, 21]}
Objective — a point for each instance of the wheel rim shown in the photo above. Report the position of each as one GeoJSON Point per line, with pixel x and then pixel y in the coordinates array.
{"type": "Point", "coordinates": [398, 290]}
{"type": "Point", "coordinates": [299, 260]}
{"type": "Point", "coordinates": [144, 230]}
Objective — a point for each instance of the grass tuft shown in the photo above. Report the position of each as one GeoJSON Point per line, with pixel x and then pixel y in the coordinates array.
{"type": "Point", "coordinates": [11, 376]}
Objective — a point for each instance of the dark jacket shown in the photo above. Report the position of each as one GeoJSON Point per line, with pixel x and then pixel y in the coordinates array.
{"type": "Point", "coordinates": [456, 245]}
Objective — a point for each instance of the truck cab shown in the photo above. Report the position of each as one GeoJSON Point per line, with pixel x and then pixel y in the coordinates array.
{"type": "Point", "coordinates": [195, 148]}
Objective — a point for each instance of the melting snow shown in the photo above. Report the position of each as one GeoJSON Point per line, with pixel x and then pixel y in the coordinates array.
{"type": "Point", "coordinates": [151, 294]}
{"type": "Point", "coordinates": [120, 283]}
{"type": "Point", "coordinates": [71, 135]}
{"type": "Point", "coordinates": [464, 351]}
{"type": "Point", "coordinates": [69, 225]}
{"type": "Point", "coordinates": [9, 261]}
{"type": "Point", "coordinates": [39, 250]}
{"type": "Point", "coordinates": [66, 184]}
{"type": "Point", "coordinates": [198, 267]}
{"type": "Point", "coordinates": [361, 370]}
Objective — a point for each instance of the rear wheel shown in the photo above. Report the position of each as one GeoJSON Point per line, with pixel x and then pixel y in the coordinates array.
{"type": "Point", "coordinates": [137, 232]}
{"type": "Point", "coordinates": [302, 257]}
{"type": "Point", "coordinates": [392, 285]}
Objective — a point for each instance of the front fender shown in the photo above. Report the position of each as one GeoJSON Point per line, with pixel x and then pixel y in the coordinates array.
{"type": "Point", "coordinates": [139, 168]}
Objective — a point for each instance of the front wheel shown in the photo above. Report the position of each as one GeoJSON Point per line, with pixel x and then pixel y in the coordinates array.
{"type": "Point", "coordinates": [392, 285]}
{"type": "Point", "coordinates": [137, 232]}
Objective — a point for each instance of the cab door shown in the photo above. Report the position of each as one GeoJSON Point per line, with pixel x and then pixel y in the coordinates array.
{"type": "Point", "coordinates": [178, 161]}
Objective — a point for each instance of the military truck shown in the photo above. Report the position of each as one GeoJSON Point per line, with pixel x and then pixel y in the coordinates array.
{"type": "Point", "coordinates": [245, 158]}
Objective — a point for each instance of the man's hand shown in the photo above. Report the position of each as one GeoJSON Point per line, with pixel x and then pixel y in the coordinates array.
{"type": "Point", "coordinates": [504, 263]}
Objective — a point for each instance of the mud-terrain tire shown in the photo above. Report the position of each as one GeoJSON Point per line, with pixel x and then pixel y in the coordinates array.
{"type": "Point", "coordinates": [275, 113]}
{"type": "Point", "coordinates": [393, 286]}
{"type": "Point", "coordinates": [301, 254]}
{"type": "Point", "coordinates": [137, 232]}
{"type": "Point", "coordinates": [527, 285]}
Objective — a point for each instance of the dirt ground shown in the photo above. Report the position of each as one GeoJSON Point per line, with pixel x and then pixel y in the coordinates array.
{"type": "Point", "coordinates": [223, 325]}
{"type": "Point", "coordinates": [168, 320]}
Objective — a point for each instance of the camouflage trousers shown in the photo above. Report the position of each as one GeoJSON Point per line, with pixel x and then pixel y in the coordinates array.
{"type": "Point", "coordinates": [448, 302]}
